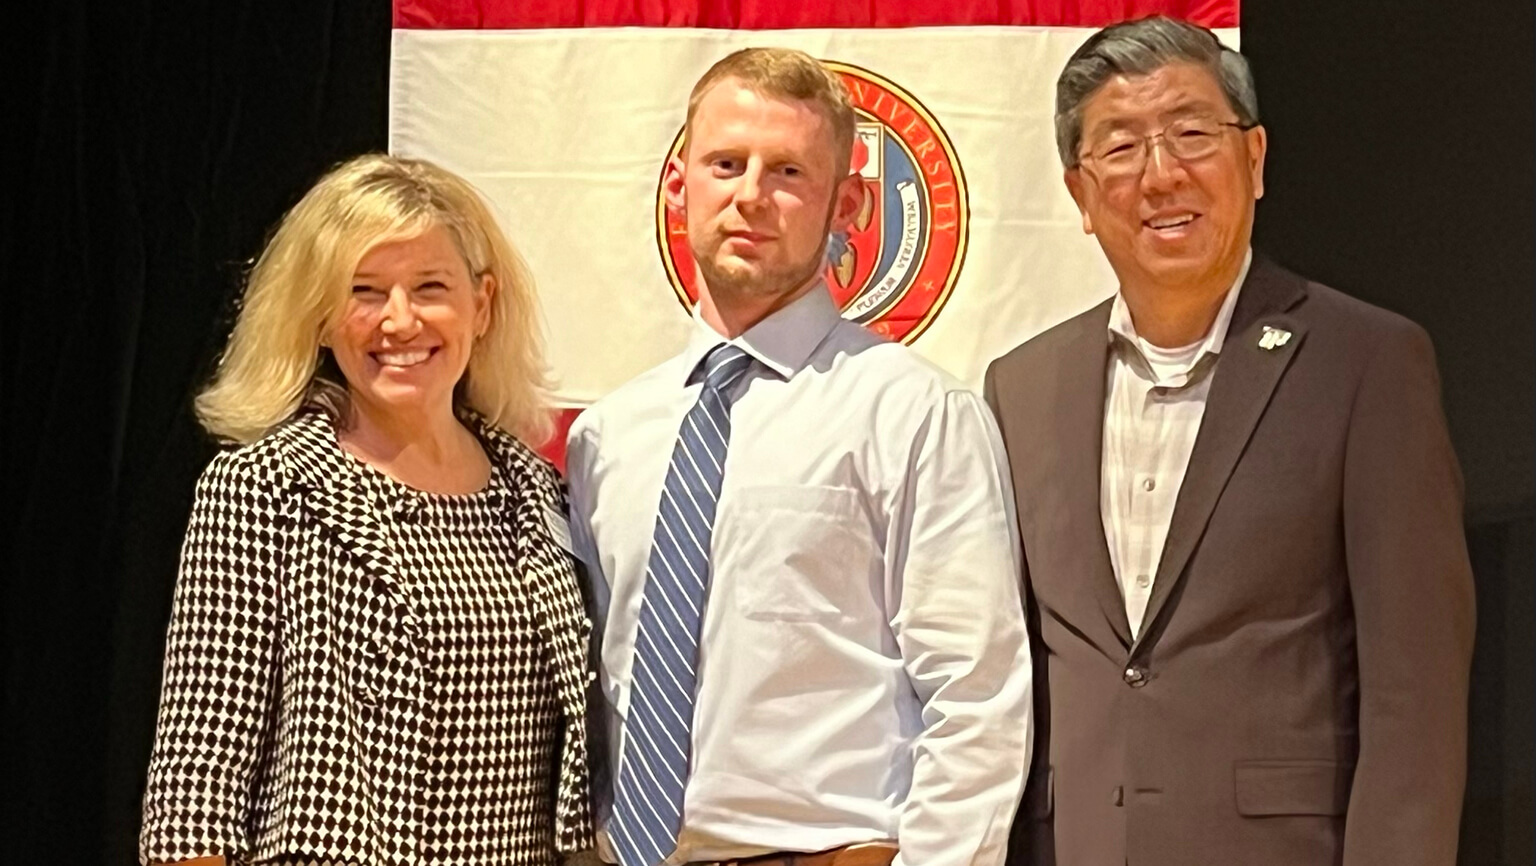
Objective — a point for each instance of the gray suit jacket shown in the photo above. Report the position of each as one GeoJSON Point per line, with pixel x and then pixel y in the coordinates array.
{"type": "Point", "coordinates": [1298, 694]}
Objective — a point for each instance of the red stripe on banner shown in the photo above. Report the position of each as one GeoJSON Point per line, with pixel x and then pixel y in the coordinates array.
{"type": "Point", "coordinates": [779, 15]}
{"type": "Point", "coordinates": [554, 449]}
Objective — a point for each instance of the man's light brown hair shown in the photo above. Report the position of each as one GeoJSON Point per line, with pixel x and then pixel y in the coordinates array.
{"type": "Point", "coordinates": [784, 73]}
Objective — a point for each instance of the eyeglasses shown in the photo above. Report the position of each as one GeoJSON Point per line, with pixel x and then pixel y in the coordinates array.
{"type": "Point", "coordinates": [1124, 154]}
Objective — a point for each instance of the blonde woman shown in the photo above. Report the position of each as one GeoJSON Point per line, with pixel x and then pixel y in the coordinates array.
{"type": "Point", "coordinates": [377, 653]}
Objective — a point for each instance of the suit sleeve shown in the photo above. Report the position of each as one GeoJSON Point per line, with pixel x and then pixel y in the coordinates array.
{"type": "Point", "coordinates": [959, 622]}
{"type": "Point", "coordinates": [217, 693]}
{"type": "Point", "coordinates": [1411, 585]}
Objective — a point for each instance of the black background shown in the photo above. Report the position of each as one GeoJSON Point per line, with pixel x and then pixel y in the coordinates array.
{"type": "Point", "coordinates": [152, 146]}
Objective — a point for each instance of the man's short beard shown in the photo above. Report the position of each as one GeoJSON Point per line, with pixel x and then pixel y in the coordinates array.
{"type": "Point", "coordinates": [769, 284]}
{"type": "Point", "coordinates": [745, 284]}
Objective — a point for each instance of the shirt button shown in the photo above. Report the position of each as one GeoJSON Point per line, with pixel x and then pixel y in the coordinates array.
{"type": "Point", "coordinates": [1149, 484]}
{"type": "Point", "coordinates": [1135, 677]}
{"type": "Point", "coordinates": [1143, 581]}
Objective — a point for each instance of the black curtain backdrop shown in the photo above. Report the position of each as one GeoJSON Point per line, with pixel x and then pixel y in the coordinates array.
{"type": "Point", "coordinates": [153, 146]}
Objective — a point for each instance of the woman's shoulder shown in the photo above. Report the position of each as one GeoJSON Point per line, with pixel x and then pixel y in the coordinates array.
{"type": "Point", "coordinates": [298, 444]}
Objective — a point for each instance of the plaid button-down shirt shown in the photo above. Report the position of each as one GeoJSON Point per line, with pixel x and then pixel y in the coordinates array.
{"type": "Point", "coordinates": [1154, 402]}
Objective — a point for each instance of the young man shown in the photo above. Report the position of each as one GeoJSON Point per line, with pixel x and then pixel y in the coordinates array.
{"type": "Point", "coordinates": [801, 535]}
{"type": "Point", "coordinates": [1240, 513]}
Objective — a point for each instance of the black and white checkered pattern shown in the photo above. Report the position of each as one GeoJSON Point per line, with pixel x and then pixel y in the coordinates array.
{"type": "Point", "coordinates": [357, 672]}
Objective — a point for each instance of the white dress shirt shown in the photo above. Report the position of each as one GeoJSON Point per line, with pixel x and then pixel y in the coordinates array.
{"type": "Point", "coordinates": [864, 672]}
{"type": "Point", "coordinates": [1154, 402]}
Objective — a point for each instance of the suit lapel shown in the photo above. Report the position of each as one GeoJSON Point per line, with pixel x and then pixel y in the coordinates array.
{"type": "Point", "coordinates": [1245, 378]}
{"type": "Point", "coordinates": [341, 498]}
{"type": "Point", "coordinates": [545, 571]}
{"type": "Point", "coordinates": [1080, 438]}
{"type": "Point", "coordinates": [549, 577]}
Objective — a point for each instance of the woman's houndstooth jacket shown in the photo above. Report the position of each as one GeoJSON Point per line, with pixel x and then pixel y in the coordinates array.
{"type": "Point", "coordinates": [292, 715]}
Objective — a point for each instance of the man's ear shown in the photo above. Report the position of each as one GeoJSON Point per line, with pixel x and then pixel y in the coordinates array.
{"type": "Point", "coordinates": [672, 183]}
{"type": "Point", "coordinates": [847, 199]}
{"type": "Point", "coordinates": [1077, 186]}
{"type": "Point", "coordinates": [1258, 146]}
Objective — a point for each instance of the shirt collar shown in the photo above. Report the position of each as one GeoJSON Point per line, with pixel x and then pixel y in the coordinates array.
{"type": "Point", "coordinates": [782, 342]}
{"type": "Point", "coordinates": [1120, 324]}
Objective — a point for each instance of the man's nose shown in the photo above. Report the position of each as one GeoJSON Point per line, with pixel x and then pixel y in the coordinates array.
{"type": "Point", "coordinates": [749, 189]}
{"type": "Point", "coordinates": [1163, 171]}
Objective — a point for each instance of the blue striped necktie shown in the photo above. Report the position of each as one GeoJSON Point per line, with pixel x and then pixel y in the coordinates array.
{"type": "Point", "coordinates": [653, 769]}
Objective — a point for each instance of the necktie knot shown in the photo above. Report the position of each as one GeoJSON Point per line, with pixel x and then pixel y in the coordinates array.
{"type": "Point", "coordinates": [724, 366]}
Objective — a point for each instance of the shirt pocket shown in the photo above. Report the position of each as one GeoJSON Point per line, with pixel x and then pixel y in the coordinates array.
{"type": "Point", "coordinates": [796, 554]}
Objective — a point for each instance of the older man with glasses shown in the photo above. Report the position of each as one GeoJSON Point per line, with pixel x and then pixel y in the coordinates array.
{"type": "Point", "coordinates": [1251, 603]}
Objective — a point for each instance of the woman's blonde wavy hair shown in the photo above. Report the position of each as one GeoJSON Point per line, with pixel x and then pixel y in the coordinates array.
{"type": "Point", "coordinates": [274, 363]}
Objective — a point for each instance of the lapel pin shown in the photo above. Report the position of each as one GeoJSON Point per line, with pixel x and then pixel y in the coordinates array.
{"type": "Point", "coordinates": [1273, 338]}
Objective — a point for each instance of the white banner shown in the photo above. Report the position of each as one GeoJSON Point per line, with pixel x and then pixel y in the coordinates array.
{"type": "Point", "coordinates": [971, 247]}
